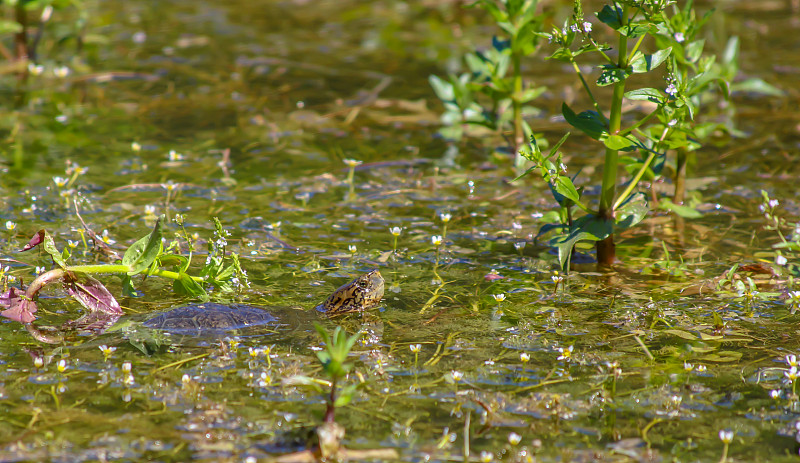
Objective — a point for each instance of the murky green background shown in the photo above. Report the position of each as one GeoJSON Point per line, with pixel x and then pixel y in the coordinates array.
{"type": "Point", "coordinates": [292, 89]}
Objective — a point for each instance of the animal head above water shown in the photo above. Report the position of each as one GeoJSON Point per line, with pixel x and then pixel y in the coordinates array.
{"type": "Point", "coordinates": [363, 293]}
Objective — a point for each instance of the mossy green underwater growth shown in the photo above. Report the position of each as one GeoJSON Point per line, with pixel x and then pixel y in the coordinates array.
{"type": "Point", "coordinates": [482, 345]}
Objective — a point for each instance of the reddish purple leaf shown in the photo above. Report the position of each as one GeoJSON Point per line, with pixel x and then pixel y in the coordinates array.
{"type": "Point", "coordinates": [22, 311]}
{"type": "Point", "coordinates": [37, 239]}
{"type": "Point", "coordinates": [9, 298]}
{"type": "Point", "coordinates": [91, 294]}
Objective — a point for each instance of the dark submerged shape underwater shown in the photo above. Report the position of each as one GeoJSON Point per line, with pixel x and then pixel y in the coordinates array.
{"type": "Point", "coordinates": [363, 293]}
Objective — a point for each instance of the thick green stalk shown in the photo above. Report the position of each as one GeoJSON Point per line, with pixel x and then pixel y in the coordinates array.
{"type": "Point", "coordinates": [606, 253]}
{"type": "Point", "coordinates": [119, 268]}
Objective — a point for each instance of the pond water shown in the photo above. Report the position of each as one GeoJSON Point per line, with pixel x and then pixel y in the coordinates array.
{"type": "Point", "coordinates": [246, 111]}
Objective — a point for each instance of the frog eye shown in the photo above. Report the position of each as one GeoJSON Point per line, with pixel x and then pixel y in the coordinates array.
{"type": "Point", "coordinates": [363, 284]}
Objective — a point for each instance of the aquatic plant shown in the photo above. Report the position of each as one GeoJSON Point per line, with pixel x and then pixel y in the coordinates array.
{"type": "Point", "coordinates": [484, 96]}
{"type": "Point", "coordinates": [333, 358]}
{"type": "Point", "coordinates": [147, 257]}
{"type": "Point", "coordinates": [675, 107]}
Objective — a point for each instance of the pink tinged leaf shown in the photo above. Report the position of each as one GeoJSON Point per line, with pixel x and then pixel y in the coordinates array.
{"type": "Point", "coordinates": [493, 277]}
{"type": "Point", "coordinates": [22, 312]}
{"type": "Point", "coordinates": [91, 294]}
{"type": "Point", "coordinates": [9, 298]}
{"type": "Point", "coordinates": [37, 239]}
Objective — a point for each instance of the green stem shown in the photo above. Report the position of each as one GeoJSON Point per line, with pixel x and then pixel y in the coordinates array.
{"type": "Point", "coordinates": [635, 180]}
{"type": "Point", "coordinates": [640, 122]}
{"type": "Point", "coordinates": [519, 136]}
{"type": "Point", "coordinates": [586, 87]}
{"type": "Point", "coordinates": [120, 268]}
{"type": "Point", "coordinates": [611, 163]}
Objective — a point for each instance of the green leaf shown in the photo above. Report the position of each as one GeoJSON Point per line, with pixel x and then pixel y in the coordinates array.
{"type": "Point", "coordinates": [565, 187]}
{"type": "Point", "coordinates": [645, 63]}
{"type": "Point", "coordinates": [679, 209]}
{"type": "Point", "coordinates": [50, 247]}
{"type": "Point", "coordinates": [562, 54]}
{"type": "Point", "coordinates": [345, 396]}
{"type": "Point", "coordinates": [617, 142]}
{"type": "Point", "coordinates": [634, 30]}
{"type": "Point", "coordinates": [631, 212]}
{"type": "Point", "coordinates": [9, 27]}
{"type": "Point", "coordinates": [589, 227]}
{"type": "Point", "coordinates": [589, 122]}
{"type": "Point", "coordinates": [646, 94]}
{"type": "Point", "coordinates": [144, 252]}
{"type": "Point", "coordinates": [610, 16]}
{"type": "Point", "coordinates": [756, 85]}
{"type": "Point", "coordinates": [444, 90]}
{"type": "Point", "coordinates": [612, 74]}
{"type": "Point", "coordinates": [187, 286]}
{"type": "Point", "coordinates": [694, 50]}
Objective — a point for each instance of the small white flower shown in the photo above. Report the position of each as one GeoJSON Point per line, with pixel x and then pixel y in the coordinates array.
{"type": "Point", "coordinates": [672, 122]}
{"type": "Point", "coordinates": [524, 357]}
{"type": "Point", "coordinates": [353, 162]}
{"type": "Point", "coordinates": [186, 379]}
{"type": "Point", "coordinates": [499, 297]}
{"type": "Point", "coordinates": [791, 374]}
{"type": "Point", "coordinates": [679, 37]}
{"type": "Point", "coordinates": [135, 147]}
{"type": "Point", "coordinates": [72, 244]}
{"type": "Point", "coordinates": [415, 348]}
{"type": "Point", "coordinates": [106, 238]}
{"type": "Point", "coordinates": [436, 240]}
{"type": "Point", "coordinates": [35, 69]}
{"type": "Point", "coordinates": [566, 354]}
{"type": "Point", "coordinates": [149, 210]}
{"type": "Point", "coordinates": [773, 203]}
{"type": "Point", "coordinates": [573, 27]}
{"type": "Point", "coordinates": [107, 351]}
{"type": "Point", "coordinates": [486, 457]}
{"type": "Point", "coordinates": [38, 362]}
{"type": "Point", "coordinates": [395, 231]}
{"type": "Point", "coordinates": [10, 226]}
{"type": "Point", "coordinates": [775, 394]}
{"type": "Point", "coordinates": [701, 368]}
{"type": "Point", "coordinates": [174, 156]}
{"type": "Point", "coordinates": [60, 181]}
{"type": "Point", "coordinates": [671, 90]}
{"type": "Point", "coordinates": [126, 367]}
{"type": "Point", "coordinates": [726, 436]}
{"type": "Point", "coordinates": [587, 27]}
{"type": "Point", "coordinates": [61, 72]}
{"type": "Point", "coordinates": [457, 375]}
{"type": "Point", "coordinates": [445, 217]}
{"type": "Point", "coordinates": [514, 438]}
{"type": "Point", "coordinates": [352, 248]}
{"type": "Point", "coordinates": [62, 366]}
{"type": "Point", "coordinates": [791, 360]}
